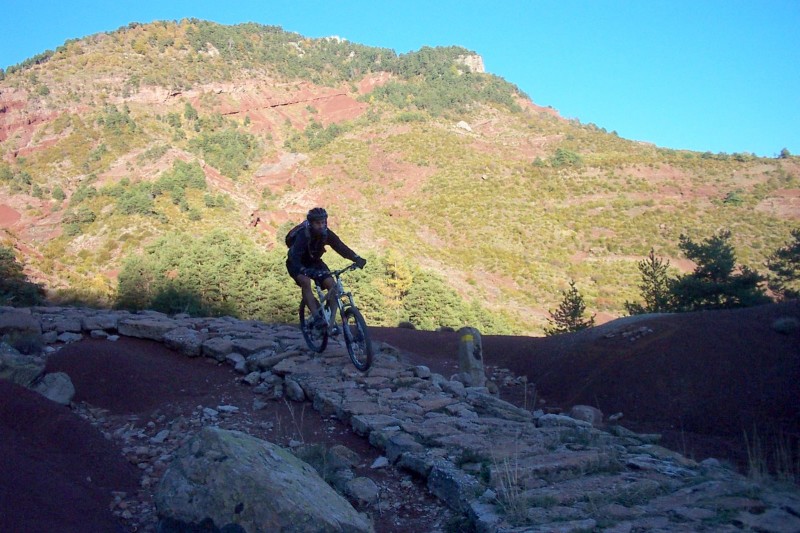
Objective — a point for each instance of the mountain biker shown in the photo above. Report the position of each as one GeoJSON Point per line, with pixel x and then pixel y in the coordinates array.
{"type": "Point", "coordinates": [304, 261]}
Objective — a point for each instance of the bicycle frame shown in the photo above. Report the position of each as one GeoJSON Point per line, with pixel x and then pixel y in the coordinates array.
{"type": "Point", "coordinates": [354, 328]}
{"type": "Point", "coordinates": [338, 294]}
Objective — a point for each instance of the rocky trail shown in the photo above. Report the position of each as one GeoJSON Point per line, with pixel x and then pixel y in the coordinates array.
{"type": "Point", "coordinates": [403, 446]}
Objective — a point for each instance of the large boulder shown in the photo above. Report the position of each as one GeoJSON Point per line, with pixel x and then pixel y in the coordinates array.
{"type": "Point", "coordinates": [229, 479]}
{"type": "Point", "coordinates": [185, 340]}
{"type": "Point", "coordinates": [146, 327]}
{"type": "Point", "coordinates": [18, 368]}
{"type": "Point", "coordinates": [587, 413]}
{"type": "Point", "coordinates": [56, 386]}
{"type": "Point", "coordinates": [100, 321]}
{"type": "Point", "coordinates": [29, 371]}
{"type": "Point", "coordinates": [217, 348]}
{"type": "Point", "coordinates": [21, 330]}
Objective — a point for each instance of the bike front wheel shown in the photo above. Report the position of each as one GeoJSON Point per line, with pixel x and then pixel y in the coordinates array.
{"type": "Point", "coordinates": [316, 338]}
{"type": "Point", "coordinates": [356, 337]}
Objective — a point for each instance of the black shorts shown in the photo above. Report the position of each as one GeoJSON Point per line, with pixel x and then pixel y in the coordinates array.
{"type": "Point", "coordinates": [316, 270]}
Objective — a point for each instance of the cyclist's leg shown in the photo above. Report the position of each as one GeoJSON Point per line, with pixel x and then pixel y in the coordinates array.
{"type": "Point", "coordinates": [304, 282]}
{"type": "Point", "coordinates": [328, 284]}
{"type": "Point", "coordinates": [308, 292]}
{"type": "Point", "coordinates": [319, 273]}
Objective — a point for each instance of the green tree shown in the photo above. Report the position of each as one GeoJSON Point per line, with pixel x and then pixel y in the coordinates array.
{"type": "Point", "coordinates": [15, 289]}
{"type": "Point", "coordinates": [137, 200]}
{"type": "Point", "coordinates": [784, 266]}
{"type": "Point", "coordinates": [655, 286]}
{"type": "Point", "coordinates": [82, 193]}
{"type": "Point", "coordinates": [397, 281]}
{"type": "Point", "coordinates": [136, 283]}
{"type": "Point", "coordinates": [189, 112]}
{"type": "Point", "coordinates": [74, 221]}
{"type": "Point", "coordinates": [182, 176]}
{"type": "Point", "coordinates": [230, 151]}
{"type": "Point", "coordinates": [564, 157]}
{"type": "Point", "coordinates": [431, 304]}
{"type": "Point", "coordinates": [569, 317]}
{"type": "Point", "coordinates": [6, 174]}
{"type": "Point", "coordinates": [216, 274]}
{"type": "Point", "coordinates": [117, 122]}
{"type": "Point", "coordinates": [715, 283]}
{"type": "Point", "coordinates": [58, 193]}
{"type": "Point", "coordinates": [174, 120]}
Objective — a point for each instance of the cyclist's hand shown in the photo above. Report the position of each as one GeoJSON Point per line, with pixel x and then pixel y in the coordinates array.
{"type": "Point", "coordinates": [360, 262]}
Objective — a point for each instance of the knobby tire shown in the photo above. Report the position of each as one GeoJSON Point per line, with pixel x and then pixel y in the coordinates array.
{"type": "Point", "coordinates": [316, 339]}
{"type": "Point", "coordinates": [356, 337]}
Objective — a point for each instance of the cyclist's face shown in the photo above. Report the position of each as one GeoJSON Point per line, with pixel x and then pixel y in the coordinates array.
{"type": "Point", "coordinates": [319, 227]}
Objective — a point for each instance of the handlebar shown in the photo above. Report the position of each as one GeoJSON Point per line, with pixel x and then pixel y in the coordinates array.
{"type": "Point", "coordinates": [337, 273]}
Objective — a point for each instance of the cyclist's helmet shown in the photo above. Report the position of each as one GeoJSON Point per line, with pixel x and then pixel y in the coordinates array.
{"type": "Point", "coordinates": [318, 213]}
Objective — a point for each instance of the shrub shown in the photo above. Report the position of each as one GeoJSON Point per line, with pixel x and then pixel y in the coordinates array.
{"type": "Point", "coordinates": [733, 198]}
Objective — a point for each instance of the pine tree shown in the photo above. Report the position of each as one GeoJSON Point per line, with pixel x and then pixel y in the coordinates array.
{"type": "Point", "coordinates": [785, 267]}
{"type": "Point", "coordinates": [654, 286]}
{"type": "Point", "coordinates": [715, 284]}
{"type": "Point", "coordinates": [568, 317]}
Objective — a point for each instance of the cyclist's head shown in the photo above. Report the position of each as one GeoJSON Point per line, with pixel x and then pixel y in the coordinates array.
{"type": "Point", "coordinates": [318, 213]}
{"type": "Point", "coordinates": [318, 221]}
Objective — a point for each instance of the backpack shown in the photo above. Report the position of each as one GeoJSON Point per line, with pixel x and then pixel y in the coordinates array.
{"type": "Point", "coordinates": [292, 235]}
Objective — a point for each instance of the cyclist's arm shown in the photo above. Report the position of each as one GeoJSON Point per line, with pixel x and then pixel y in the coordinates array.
{"type": "Point", "coordinates": [339, 247]}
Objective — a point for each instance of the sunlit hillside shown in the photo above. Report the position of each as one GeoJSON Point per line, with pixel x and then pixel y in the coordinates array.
{"type": "Point", "coordinates": [185, 150]}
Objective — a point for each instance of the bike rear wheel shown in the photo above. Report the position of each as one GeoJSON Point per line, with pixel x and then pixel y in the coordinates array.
{"type": "Point", "coordinates": [316, 338]}
{"type": "Point", "coordinates": [356, 337]}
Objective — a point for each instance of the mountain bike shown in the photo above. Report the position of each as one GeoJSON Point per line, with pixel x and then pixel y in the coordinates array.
{"type": "Point", "coordinates": [354, 328]}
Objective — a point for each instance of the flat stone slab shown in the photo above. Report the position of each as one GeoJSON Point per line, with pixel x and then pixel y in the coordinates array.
{"type": "Point", "coordinates": [145, 328]}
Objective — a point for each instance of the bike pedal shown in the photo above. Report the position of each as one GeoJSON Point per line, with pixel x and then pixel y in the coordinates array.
{"type": "Point", "coordinates": [334, 331]}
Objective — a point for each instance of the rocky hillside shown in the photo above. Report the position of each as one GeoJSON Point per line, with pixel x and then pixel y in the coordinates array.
{"type": "Point", "coordinates": [427, 164]}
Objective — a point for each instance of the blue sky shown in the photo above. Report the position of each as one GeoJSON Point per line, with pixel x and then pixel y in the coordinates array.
{"type": "Point", "coordinates": [705, 75]}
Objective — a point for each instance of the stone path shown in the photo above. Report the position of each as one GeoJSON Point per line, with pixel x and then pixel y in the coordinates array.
{"type": "Point", "coordinates": [504, 468]}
